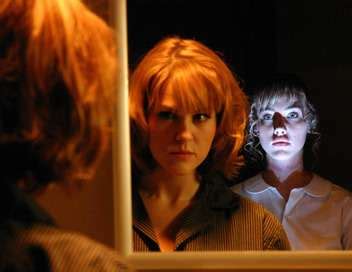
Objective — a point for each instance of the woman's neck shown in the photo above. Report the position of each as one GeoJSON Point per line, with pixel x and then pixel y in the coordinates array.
{"type": "Point", "coordinates": [171, 188]}
{"type": "Point", "coordinates": [283, 168]}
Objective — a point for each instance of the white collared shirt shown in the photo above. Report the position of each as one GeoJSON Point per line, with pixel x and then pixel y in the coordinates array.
{"type": "Point", "coordinates": [315, 217]}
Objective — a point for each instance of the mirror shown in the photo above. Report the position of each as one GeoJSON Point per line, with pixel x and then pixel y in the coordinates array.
{"type": "Point", "coordinates": [251, 46]}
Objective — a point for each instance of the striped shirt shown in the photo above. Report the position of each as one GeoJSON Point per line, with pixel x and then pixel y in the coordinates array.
{"type": "Point", "coordinates": [70, 251]}
{"type": "Point", "coordinates": [218, 220]}
{"type": "Point", "coordinates": [31, 242]}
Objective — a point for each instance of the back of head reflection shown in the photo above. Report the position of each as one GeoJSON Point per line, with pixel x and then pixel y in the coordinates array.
{"type": "Point", "coordinates": [57, 76]}
{"type": "Point", "coordinates": [188, 116]}
{"type": "Point", "coordinates": [283, 133]}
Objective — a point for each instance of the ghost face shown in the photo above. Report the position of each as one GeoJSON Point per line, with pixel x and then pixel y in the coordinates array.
{"type": "Point", "coordinates": [282, 130]}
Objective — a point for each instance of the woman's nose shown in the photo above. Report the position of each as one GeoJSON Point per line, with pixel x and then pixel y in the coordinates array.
{"type": "Point", "coordinates": [279, 124]}
{"type": "Point", "coordinates": [184, 130]}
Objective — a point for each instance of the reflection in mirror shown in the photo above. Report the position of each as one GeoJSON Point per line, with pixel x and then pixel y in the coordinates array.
{"type": "Point", "coordinates": [188, 118]}
{"type": "Point", "coordinates": [266, 37]}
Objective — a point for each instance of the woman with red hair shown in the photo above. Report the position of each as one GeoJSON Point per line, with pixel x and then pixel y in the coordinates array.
{"type": "Point", "coordinates": [188, 116]}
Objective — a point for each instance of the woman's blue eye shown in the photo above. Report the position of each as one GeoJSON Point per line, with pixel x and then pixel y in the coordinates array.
{"type": "Point", "coordinates": [166, 115]}
{"type": "Point", "coordinates": [293, 115]}
{"type": "Point", "coordinates": [200, 117]}
{"type": "Point", "coordinates": [267, 116]}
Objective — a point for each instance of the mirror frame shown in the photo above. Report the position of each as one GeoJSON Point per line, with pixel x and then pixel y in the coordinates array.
{"type": "Point", "coordinates": [186, 261]}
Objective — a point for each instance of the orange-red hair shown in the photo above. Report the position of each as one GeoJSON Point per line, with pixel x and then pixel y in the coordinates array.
{"type": "Point", "coordinates": [200, 80]}
{"type": "Point", "coordinates": [57, 78]}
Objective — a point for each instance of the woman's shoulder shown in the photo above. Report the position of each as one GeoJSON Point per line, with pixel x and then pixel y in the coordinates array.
{"type": "Point", "coordinates": [72, 251]}
{"type": "Point", "coordinates": [324, 187]}
{"type": "Point", "coordinates": [259, 218]}
{"type": "Point", "coordinates": [251, 207]}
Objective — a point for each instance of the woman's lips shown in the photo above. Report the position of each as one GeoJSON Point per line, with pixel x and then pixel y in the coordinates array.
{"type": "Point", "coordinates": [182, 154]}
{"type": "Point", "coordinates": [280, 143]}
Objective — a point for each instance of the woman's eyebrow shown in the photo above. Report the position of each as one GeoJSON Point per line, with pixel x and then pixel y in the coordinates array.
{"type": "Point", "coordinates": [267, 108]}
{"type": "Point", "coordinates": [294, 105]}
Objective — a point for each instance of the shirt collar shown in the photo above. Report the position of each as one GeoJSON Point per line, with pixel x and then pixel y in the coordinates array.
{"type": "Point", "coordinates": [256, 185]}
{"type": "Point", "coordinates": [318, 187]}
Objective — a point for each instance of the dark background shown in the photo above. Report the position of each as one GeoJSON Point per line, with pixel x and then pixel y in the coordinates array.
{"type": "Point", "coordinates": [257, 37]}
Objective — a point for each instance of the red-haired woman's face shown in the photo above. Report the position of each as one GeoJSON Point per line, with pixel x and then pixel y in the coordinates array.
{"type": "Point", "coordinates": [179, 141]}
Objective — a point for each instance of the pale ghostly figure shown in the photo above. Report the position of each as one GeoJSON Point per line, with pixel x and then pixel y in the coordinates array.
{"type": "Point", "coordinates": [315, 213]}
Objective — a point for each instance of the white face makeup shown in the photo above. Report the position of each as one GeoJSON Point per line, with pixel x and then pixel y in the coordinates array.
{"type": "Point", "coordinates": [179, 141]}
{"type": "Point", "coordinates": [282, 130]}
